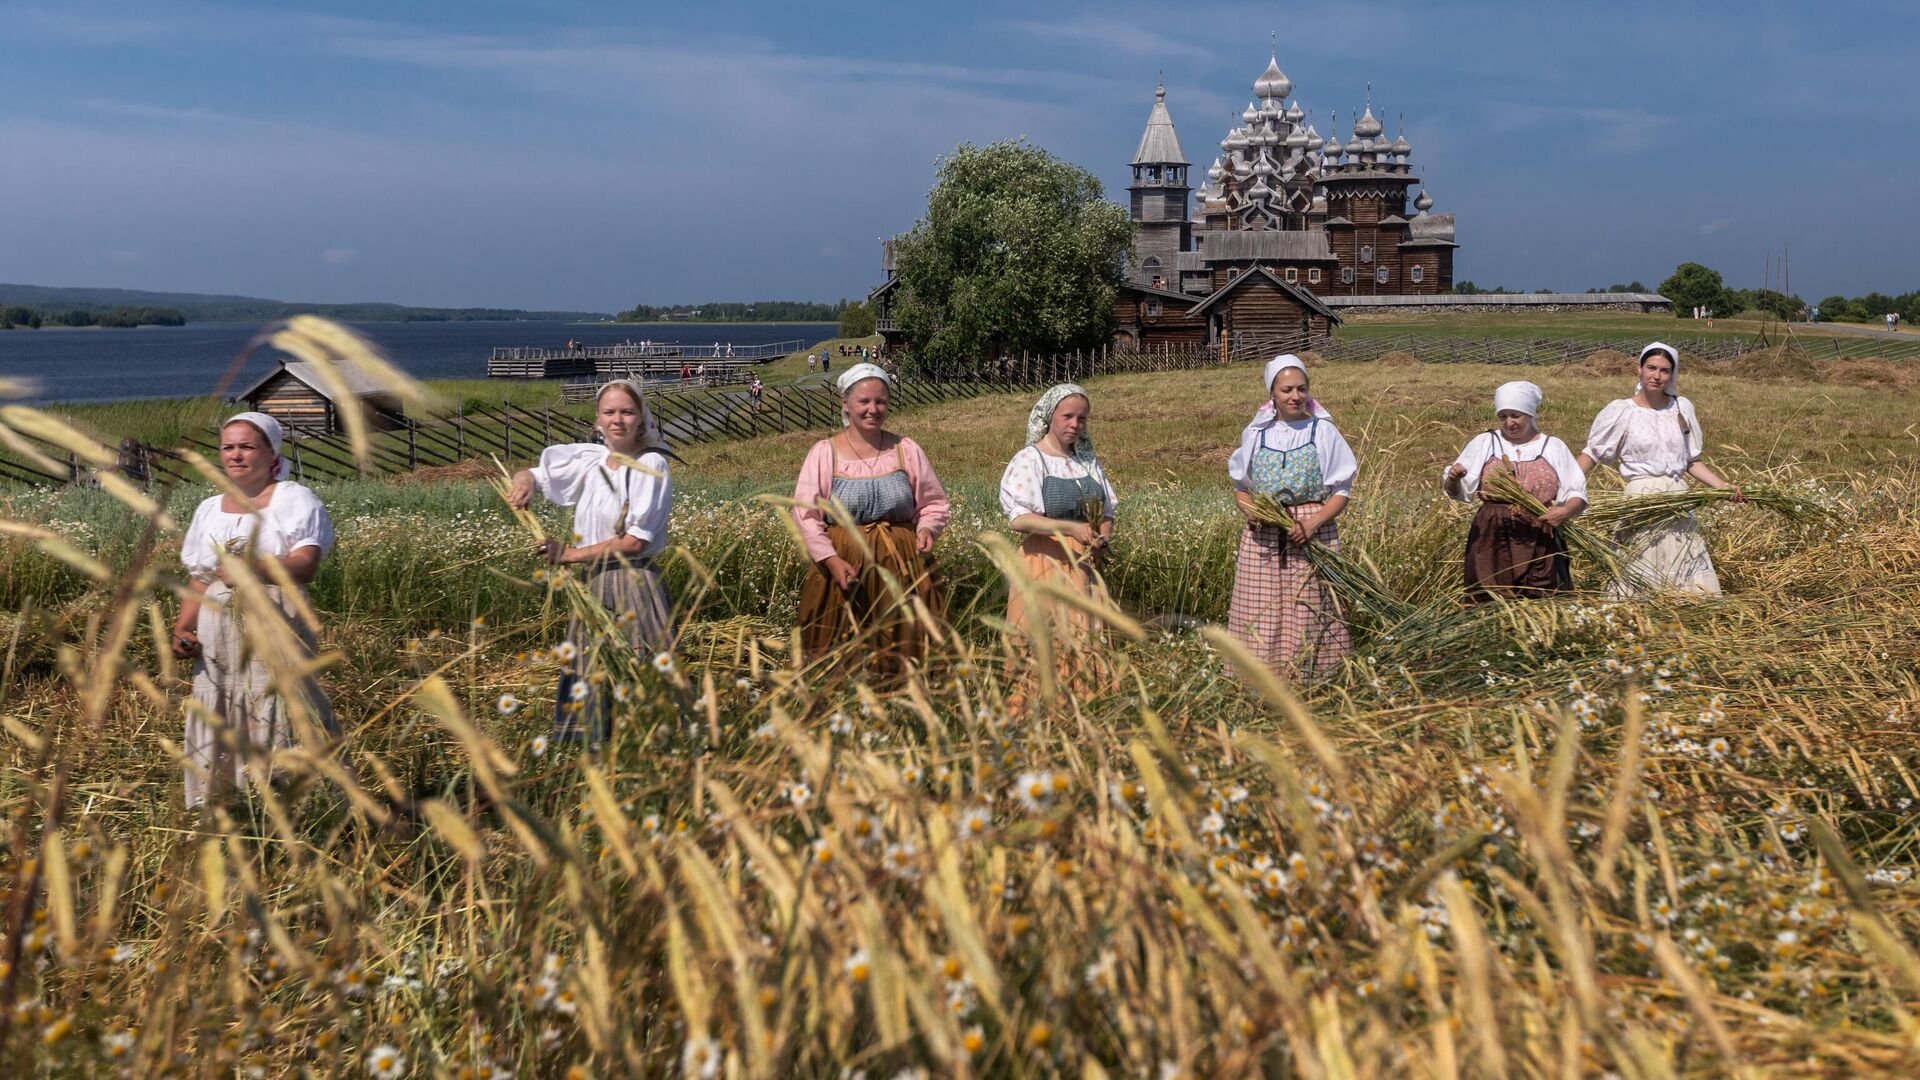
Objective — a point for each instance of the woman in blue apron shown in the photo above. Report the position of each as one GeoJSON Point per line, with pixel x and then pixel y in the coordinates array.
{"type": "Point", "coordinates": [873, 583]}
{"type": "Point", "coordinates": [1282, 610]}
{"type": "Point", "coordinates": [1056, 494]}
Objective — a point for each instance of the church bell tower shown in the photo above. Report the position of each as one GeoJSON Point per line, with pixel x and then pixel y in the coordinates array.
{"type": "Point", "coordinates": [1158, 207]}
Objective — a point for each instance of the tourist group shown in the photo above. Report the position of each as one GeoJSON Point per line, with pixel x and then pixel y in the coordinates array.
{"type": "Point", "coordinates": [869, 509]}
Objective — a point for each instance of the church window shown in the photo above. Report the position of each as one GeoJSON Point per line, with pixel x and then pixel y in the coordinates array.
{"type": "Point", "coordinates": [1152, 262]}
{"type": "Point", "coordinates": [1381, 275]}
{"type": "Point", "coordinates": [1293, 274]}
{"type": "Point", "coordinates": [1417, 274]}
{"type": "Point", "coordinates": [1153, 309]}
{"type": "Point", "coordinates": [1366, 253]}
{"type": "Point", "coordinates": [1313, 275]}
{"type": "Point", "coordinates": [1346, 275]}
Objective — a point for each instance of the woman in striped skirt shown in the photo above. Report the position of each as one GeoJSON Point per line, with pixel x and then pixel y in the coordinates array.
{"type": "Point", "coordinates": [622, 496]}
{"type": "Point", "coordinates": [1282, 610]}
{"type": "Point", "coordinates": [872, 581]}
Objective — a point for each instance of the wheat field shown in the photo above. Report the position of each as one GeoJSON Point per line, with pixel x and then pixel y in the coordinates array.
{"type": "Point", "coordinates": [1568, 838]}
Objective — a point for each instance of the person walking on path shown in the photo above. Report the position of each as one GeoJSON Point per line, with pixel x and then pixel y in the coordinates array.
{"type": "Point", "coordinates": [241, 650]}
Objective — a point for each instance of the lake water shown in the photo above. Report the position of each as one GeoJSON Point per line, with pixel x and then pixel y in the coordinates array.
{"type": "Point", "coordinates": [185, 361]}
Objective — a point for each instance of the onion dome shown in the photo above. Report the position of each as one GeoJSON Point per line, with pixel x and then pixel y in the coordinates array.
{"type": "Point", "coordinates": [1252, 114]}
{"type": "Point", "coordinates": [1367, 126]}
{"type": "Point", "coordinates": [1353, 145]}
{"type": "Point", "coordinates": [1314, 141]}
{"type": "Point", "coordinates": [1236, 139]}
{"type": "Point", "coordinates": [1401, 146]}
{"type": "Point", "coordinates": [1259, 192]}
{"type": "Point", "coordinates": [1297, 137]}
{"type": "Point", "coordinates": [1295, 113]}
{"type": "Point", "coordinates": [1366, 146]}
{"type": "Point", "coordinates": [1424, 203]}
{"type": "Point", "coordinates": [1273, 83]}
{"type": "Point", "coordinates": [1214, 171]}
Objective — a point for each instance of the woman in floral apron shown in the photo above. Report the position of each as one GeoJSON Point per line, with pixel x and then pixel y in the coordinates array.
{"type": "Point", "coordinates": [866, 579]}
{"type": "Point", "coordinates": [1511, 553]}
{"type": "Point", "coordinates": [1282, 610]}
{"type": "Point", "coordinates": [1056, 493]}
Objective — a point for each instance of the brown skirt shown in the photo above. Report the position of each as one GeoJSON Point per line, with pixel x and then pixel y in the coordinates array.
{"type": "Point", "coordinates": [1509, 554]}
{"type": "Point", "coordinates": [1078, 640]}
{"type": "Point", "coordinates": [878, 612]}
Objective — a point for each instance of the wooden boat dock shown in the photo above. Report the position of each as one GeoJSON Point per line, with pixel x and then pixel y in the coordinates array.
{"type": "Point", "coordinates": [638, 360]}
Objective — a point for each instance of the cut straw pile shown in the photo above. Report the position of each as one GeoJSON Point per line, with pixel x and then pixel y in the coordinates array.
{"type": "Point", "coordinates": [1631, 513]}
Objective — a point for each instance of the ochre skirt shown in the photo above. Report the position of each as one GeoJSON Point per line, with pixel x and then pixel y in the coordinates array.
{"type": "Point", "coordinates": [1509, 554]}
{"type": "Point", "coordinates": [1078, 640]}
{"type": "Point", "coordinates": [878, 613]}
{"type": "Point", "coordinates": [1282, 610]}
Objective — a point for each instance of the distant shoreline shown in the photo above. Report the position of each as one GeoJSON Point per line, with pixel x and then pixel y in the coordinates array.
{"type": "Point", "coordinates": [721, 322]}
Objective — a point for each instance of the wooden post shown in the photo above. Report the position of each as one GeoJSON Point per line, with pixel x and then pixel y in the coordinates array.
{"type": "Point", "coordinates": [506, 431]}
{"type": "Point", "coordinates": [546, 424]}
{"type": "Point", "coordinates": [413, 448]}
{"type": "Point", "coordinates": [460, 427]}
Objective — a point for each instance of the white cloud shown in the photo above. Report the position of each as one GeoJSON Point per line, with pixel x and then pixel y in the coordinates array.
{"type": "Point", "coordinates": [339, 256]}
{"type": "Point", "coordinates": [1604, 130]}
{"type": "Point", "coordinates": [1714, 226]}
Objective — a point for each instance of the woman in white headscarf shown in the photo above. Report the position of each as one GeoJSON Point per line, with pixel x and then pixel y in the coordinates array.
{"type": "Point", "coordinates": [1292, 452]}
{"type": "Point", "coordinates": [1056, 494]}
{"type": "Point", "coordinates": [865, 578]}
{"type": "Point", "coordinates": [1510, 553]}
{"type": "Point", "coordinates": [621, 492]}
{"type": "Point", "coordinates": [1654, 438]}
{"type": "Point", "coordinates": [237, 645]}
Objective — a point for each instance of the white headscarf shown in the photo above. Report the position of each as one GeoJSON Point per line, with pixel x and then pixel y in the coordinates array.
{"type": "Point", "coordinates": [651, 437]}
{"type": "Point", "coordinates": [1673, 354]}
{"type": "Point", "coordinates": [859, 373]}
{"type": "Point", "coordinates": [1274, 367]}
{"type": "Point", "coordinates": [1519, 396]}
{"type": "Point", "coordinates": [269, 427]}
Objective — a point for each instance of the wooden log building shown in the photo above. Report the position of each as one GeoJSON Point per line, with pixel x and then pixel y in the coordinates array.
{"type": "Point", "coordinates": [294, 394]}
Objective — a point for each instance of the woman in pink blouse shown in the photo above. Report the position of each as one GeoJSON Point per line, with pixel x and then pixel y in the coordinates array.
{"type": "Point", "coordinates": [869, 509]}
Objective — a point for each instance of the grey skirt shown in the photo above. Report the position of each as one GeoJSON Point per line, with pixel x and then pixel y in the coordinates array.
{"type": "Point", "coordinates": [641, 609]}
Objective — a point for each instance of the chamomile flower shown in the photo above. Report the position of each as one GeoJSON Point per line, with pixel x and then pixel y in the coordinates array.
{"type": "Point", "coordinates": [799, 794]}
{"type": "Point", "coordinates": [539, 746]}
{"type": "Point", "coordinates": [579, 691]}
{"type": "Point", "coordinates": [1034, 790]}
{"type": "Point", "coordinates": [840, 724]}
{"type": "Point", "coordinates": [859, 967]}
{"type": "Point", "coordinates": [976, 823]}
{"type": "Point", "coordinates": [566, 652]}
{"type": "Point", "coordinates": [700, 1059]}
{"type": "Point", "coordinates": [117, 1044]}
{"type": "Point", "coordinates": [663, 663]}
{"type": "Point", "coordinates": [386, 1063]}
{"type": "Point", "coordinates": [507, 704]}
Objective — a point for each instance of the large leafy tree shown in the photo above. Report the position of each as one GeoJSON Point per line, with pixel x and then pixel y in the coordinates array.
{"type": "Point", "coordinates": [1018, 251]}
{"type": "Point", "coordinates": [1694, 285]}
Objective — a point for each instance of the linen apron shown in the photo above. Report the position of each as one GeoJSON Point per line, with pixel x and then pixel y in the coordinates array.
{"type": "Point", "coordinates": [1671, 555]}
{"type": "Point", "coordinates": [1508, 552]}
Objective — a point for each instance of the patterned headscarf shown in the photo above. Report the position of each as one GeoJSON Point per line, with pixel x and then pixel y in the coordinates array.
{"type": "Point", "coordinates": [859, 373]}
{"type": "Point", "coordinates": [651, 437]}
{"type": "Point", "coordinates": [269, 428]}
{"type": "Point", "coordinates": [1041, 418]}
{"type": "Point", "coordinates": [1274, 367]}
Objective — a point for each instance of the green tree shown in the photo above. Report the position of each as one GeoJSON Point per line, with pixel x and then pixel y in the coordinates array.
{"type": "Point", "coordinates": [1694, 285]}
{"type": "Point", "coordinates": [1018, 251]}
{"type": "Point", "coordinates": [856, 319]}
{"type": "Point", "coordinates": [18, 315]}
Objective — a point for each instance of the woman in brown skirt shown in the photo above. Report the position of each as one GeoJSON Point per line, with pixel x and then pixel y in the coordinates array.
{"type": "Point", "coordinates": [1509, 552]}
{"type": "Point", "coordinates": [622, 497]}
{"type": "Point", "coordinates": [870, 562]}
{"type": "Point", "coordinates": [1055, 492]}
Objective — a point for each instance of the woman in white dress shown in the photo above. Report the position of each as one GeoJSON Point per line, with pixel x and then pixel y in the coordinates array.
{"type": "Point", "coordinates": [621, 492]}
{"type": "Point", "coordinates": [1654, 439]}
{"type": "Point", "coordinates": [237, 717]}
{"type": "Point", "coordinates": [1056, 494]}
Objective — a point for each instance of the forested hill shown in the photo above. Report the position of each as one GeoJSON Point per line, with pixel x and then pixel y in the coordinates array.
{"type": "Point", "coordinates": [735, 311]}
{"type": "Point", "coordinates": [202, 307]}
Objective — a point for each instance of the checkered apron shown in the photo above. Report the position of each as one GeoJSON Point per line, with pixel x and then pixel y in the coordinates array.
{"type": "Point", "coordinates": [1282, 611]}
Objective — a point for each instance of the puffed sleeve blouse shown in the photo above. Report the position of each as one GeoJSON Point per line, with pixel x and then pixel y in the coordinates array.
{"type": "Point", "coordinates": [1337, 464]}
{"type": "Point", "coordinates": [582, 475]}
{"type": "Point", "coordinates": [815, 487]}
{"type": "Point", "coordinates": [1020, 483]}
{"type": "Point", "coordinates": [1646, 442]}
{"type": "Point", "coordinates": [293, 518]}
{"type": "Point", "coordinates": [1491, 444]}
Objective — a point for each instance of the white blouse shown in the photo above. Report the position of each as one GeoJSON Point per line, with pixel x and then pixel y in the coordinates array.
{"type": "Point", "coordinates": [1020, 484]}
{"type": "Point", "coordinates": [577, 475]}
{"type": "Point", "coordinates": [1337, 464]}
{"type": "Point", "coordinates": [293, 518]}
{"type": "Point", "coordinates": [1646, 442]}
{"type": "Point", "coordinates": [1492, 444]}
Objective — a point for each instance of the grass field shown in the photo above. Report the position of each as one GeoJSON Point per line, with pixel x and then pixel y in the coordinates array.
{"type": "Point", "coordinates": [1571, 838]}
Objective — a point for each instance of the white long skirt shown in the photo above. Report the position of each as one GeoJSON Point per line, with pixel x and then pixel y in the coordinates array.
{"type": "Point", "coordinates": [1668, 556]}
{"type": "Point", "coordinates": [239, 716]}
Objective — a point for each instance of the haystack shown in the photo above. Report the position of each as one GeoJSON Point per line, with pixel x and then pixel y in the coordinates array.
{"type": "Point", "coordinates": [1785, 362]}
{"type": "Point", "coordinates": [1600, 363]}
{"type": "Point", "coordinates": [1397, 358]}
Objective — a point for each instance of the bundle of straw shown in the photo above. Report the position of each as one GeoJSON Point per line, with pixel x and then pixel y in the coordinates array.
{"type": "Point", "coordinates": [1268, 511]}
{"type": "Point", "coordinates": [1631, 513]}
{"type": "Point", "coordinates": [1579, 538]}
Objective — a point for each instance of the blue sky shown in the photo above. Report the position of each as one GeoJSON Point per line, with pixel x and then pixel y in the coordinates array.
{"type": "Point", "coordinates": [591, 154]}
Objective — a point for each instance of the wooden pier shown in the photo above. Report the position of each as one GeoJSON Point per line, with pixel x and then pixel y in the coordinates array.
{"type": "Point", "coordinates": [638, 360]}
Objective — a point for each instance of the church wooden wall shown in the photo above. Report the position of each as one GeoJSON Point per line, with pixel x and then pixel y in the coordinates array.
{"type": "Point", "coordinates": [1173, 326]}
{"type": "Point", "coordinates": [1261, 308]}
